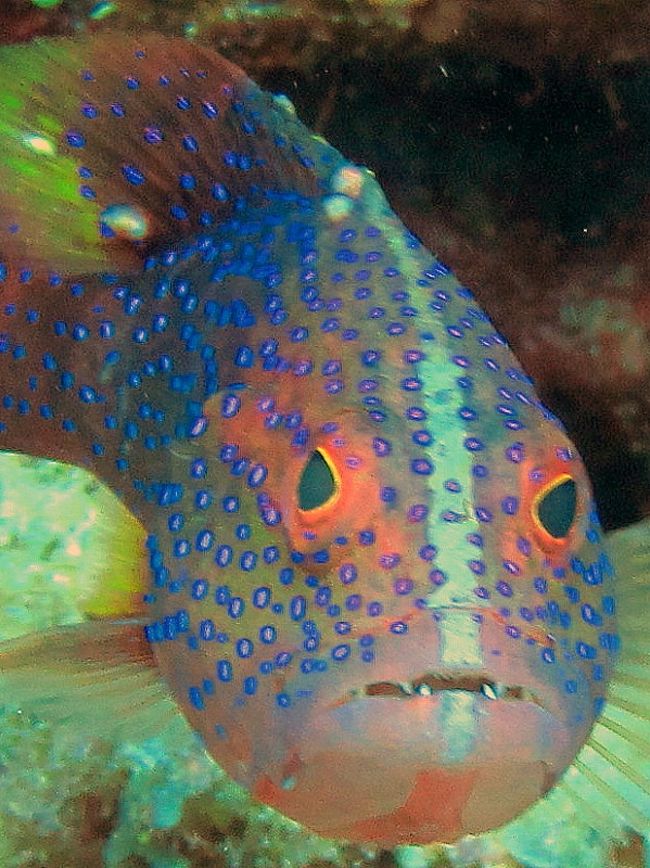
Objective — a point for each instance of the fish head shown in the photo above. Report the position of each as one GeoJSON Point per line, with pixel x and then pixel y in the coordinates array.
{"type": "Point", "coordinates": [378, 588]}
{"type": "Point", "coordinates": [397, 612]}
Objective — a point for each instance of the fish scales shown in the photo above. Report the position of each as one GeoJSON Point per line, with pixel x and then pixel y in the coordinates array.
{"type": "Point", "coordinates": [377, 582]}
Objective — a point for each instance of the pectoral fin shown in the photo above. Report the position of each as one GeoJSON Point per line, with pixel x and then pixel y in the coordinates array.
{"type": "Point", "coordinates": [98, 676]}
{"type": "Point", "coordinates": [604, 795]}
{"type": "Point", "coordinates": [611, 774]}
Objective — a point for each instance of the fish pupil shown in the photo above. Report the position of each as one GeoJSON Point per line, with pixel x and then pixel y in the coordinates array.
{"type": "Point", "coordinates": [556, 511]}
{"type": "Point", "coordinates": [317, 484]}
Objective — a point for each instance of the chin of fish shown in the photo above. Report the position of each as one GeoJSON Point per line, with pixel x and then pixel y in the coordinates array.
{"type": "Point", "coordinates": [372, 575]}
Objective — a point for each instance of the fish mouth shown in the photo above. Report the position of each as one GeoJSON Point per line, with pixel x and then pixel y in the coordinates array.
{"type": "Point", "coordinates": [434, 683]}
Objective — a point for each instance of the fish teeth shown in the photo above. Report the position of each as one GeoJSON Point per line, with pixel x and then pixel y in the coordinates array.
{"type": "Point", "coordinates": [423, 689]}
{"type": "Point", "coordinates": [433, 682]}
{"type": "Point", "coordinates": [488, 691]}
{"type": "Point", "coordinates": [491, 690]}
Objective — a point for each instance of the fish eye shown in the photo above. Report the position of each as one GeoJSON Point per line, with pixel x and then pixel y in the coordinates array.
{"type": "Point", "coordinates": [554, 508]}
{"type": "Point", "coordinates": [319, 482]}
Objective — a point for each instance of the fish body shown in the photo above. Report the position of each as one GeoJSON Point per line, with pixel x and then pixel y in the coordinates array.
{"type": "Point", "coordinates": [377, 583]}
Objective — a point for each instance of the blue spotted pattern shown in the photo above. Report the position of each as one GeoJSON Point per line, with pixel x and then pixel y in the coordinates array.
{"type": "Point", "coordinates": [269, 304]}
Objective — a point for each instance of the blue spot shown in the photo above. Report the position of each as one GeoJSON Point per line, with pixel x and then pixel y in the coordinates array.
{"type": "Point", "coordinates": [298, 608]}
{"type": "Point", "coordinates": [347, 573]}
{"type": "Point", "coordinates": [231, 405]}
{"type": "Point", "coordinates": [196, 698]}
{"type": "Point", "coordinates": [236, 607]}
{"type": "Point", "coordinates": [572, 594]}
{"type": "Point", "coordinates": [271, 554]}
{"type": "Point", "coordinates": [75, 139]}
{"type": "Point", "coordinates": [244, 648]}
{"type": "Point", "coordinates": [261, 597]}
{"type": "Point", "coordinates": [207, 630]}
{"type": "Point", "coordinates": [585, 650]}
{"type": "Point", "coordinates": [591, 615]}
{"type": "Point", "coordinates": [340, 652]}
{"type": "Point", "coordinates": [223, 555]}
{"type": "Point", "coordinates": [609, 605]}
{"type": "Point", "coordinates": [133, 175]}
{"type": "Point", "coordinates": [203, 499]}
{"type": "Point", "coordinates": [224, 670]}
{"type": "Point", "coordinates": [609, 641]}
{"type": "Point", "coordinates": [353, 602]}
{"type": "Point", "coordinates": [209, 109]}
{"type": "Point", "coordinates": [248, 561]}
{"type": "Point", "coordinates": [199, 589]}
{"type": "Point", "coordinates": [399, 627]}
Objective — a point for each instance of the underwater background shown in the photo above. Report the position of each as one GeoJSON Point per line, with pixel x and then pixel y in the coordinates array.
{"type": "Point", "coordinates": [514, 139]}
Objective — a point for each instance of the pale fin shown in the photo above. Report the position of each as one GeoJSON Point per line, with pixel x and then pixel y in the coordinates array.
{"type": "Point", "coordinates": [612, 771]}
{"type": "Point", "coordinates": [604, 796]}
{"type": "Point", "coordinates": [121, 577]}
{"type": "Point", "coordinates": [98, 677]}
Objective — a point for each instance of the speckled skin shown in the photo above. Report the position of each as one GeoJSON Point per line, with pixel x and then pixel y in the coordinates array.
{"type": "Point", "coordinates": [416, 658]}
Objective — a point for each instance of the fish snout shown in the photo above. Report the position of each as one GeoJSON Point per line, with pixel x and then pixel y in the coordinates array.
{"type": "Point", "coordinates": [432, 738]}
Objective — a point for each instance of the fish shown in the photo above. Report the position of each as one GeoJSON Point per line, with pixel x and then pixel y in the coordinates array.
{"type": "Point", "coordinates": [373, 578]}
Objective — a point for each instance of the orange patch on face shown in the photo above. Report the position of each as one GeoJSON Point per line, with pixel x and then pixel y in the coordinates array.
{"type": "Point", "coordinates": [433, 811]}
{"type": "Point", "coordinates": [268, 792]}
{"type": "Point", "coordinates": [537, 477]}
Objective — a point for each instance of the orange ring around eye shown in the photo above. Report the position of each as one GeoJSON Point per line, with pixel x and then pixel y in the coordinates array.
{"type": "Point", "coordinates": [311, 516]}
{"type": "Point", "coordinates": [546, 537]}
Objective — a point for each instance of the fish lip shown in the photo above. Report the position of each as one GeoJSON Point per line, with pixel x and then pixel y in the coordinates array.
{"type": "Point", "coordinates": [432, 684]}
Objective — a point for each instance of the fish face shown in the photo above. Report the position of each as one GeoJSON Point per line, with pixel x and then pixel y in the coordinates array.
{"type": "Point", "coordinates": [378, 589]}
{"type": "Point", "coordinates": [382, 597]}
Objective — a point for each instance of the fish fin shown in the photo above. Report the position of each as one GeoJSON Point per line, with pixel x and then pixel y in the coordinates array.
{"type": "Point", "coordinates": [98, 677]}
{"type": "Point", "coordinates": [115, 147]}
{"type": "Point", "coordinates": [611, 774]}
{"type": "Point", "coordinates": [121, 580]}
{"type": "Point", "coordinates": [114, 144]}
{"type": "Point", "coordinates": [604, 795]}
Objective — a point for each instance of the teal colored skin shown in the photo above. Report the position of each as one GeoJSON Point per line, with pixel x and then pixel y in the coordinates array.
{"type": "Point", "coordinates": [418, 649]}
